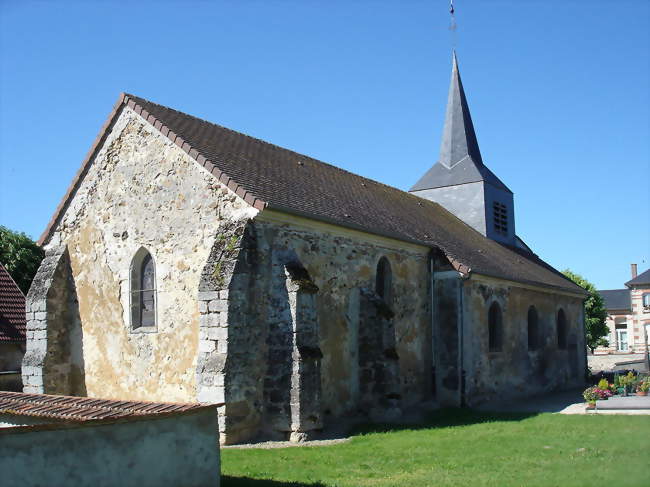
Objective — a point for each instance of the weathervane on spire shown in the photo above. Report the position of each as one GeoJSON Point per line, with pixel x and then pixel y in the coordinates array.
{"type": "Point", "coordinates": [452, 24]}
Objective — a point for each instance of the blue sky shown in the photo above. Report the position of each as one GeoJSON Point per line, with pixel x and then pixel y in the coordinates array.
{"type": "Point", "coordinates": [558, 92]}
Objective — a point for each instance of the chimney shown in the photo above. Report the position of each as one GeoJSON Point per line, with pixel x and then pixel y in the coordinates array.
{"type": "Point", "coordinates": [633, 267]}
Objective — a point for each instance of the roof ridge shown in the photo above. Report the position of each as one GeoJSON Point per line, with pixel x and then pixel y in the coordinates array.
{"type": "Point", "coordinates": [266, 142]}
{"type": "Point", "coordinates": [230, 156]}
{"type": "Point", "coordinates": [3, 268]}
{"type": "Point", "coordinates": [420, 201]}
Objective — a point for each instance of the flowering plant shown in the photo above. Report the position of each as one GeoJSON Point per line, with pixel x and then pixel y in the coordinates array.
{"type": "Point", "coordinates": [604, 385]}
{"type": "Point", "coordinates": [590, 395]}
{"type": "Point", "coordinates": [603, 393]}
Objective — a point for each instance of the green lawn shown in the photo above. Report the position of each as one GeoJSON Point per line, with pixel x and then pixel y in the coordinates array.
{"type": "Point", "coordinates": [462, 448]}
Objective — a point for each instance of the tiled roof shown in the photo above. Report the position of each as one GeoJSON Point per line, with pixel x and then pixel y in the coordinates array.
{"type": "Point", "coordinates": [618, 299]}
{"type": "Point", "coordinates": [12, 309]}
{"type": "Point", "coordinates": [640, 280]}
{"type": "Point", "coordinates": [268, 176]}
{"type": "Point", "coordinates": [82, 408]}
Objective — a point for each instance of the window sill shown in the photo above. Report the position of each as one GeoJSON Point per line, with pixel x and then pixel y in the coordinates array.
{"type": "Point", "coordinates": [143, 330]}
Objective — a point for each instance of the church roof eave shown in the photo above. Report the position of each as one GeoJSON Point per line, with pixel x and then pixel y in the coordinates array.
{"type": "Point", "coordinates": [265, 175]}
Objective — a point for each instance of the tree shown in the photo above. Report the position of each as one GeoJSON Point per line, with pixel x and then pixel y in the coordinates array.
{"type": "Point", "coordinates": [21, 256]}
{"type": "Point", "coordinates": [595, 313]}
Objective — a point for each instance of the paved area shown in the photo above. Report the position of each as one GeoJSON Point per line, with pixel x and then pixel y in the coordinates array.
{"type": "Point", "coordinates": [607, 362]}
{"type": "Point", "coordinates": [570, 402]}
{"type": "Point", "coordinates": [625, 403]}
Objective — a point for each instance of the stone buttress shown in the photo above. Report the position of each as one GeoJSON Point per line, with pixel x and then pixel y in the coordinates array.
{"type": "Point", "coordinates": [53, 362]}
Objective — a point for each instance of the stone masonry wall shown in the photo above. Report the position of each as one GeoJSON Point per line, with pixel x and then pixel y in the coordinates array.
{"type": "Point", "coordinates": [292, 383]}
{"type": "Point", "coordinates": [141, 191]}
{"type": "Point", "coordinates": [516, 370]}
{"type": "Point", "coordinates": [342, 265]}
{"type": "Point", "coordinates": [282, 328]}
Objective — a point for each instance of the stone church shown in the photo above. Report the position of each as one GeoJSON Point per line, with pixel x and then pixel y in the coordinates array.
{"type": "Point", "coordinates": [190, 262]}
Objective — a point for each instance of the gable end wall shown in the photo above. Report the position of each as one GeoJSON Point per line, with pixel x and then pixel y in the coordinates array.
{"type": "Point", "coordinates": [142, 190]}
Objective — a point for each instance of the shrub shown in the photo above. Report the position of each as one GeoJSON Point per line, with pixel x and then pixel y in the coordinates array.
{"type": "Point", "coordinates": [590, 394]}
{"type": "Point", "coordinates": [604, 385]}
{"type": "Point", "coordinates": [628, 380]}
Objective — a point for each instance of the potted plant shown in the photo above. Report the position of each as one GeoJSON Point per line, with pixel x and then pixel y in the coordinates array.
{"type": "Point", "coordinates": [618, 387]}
{"type": "Point", "coordinates": [604, 389]}
{"type": "Point", "coordinates": [627, 381]}
{"type": "Point", "coordinates": [643, 387]}
{"type": "Point", "coordinates": [591, 396]}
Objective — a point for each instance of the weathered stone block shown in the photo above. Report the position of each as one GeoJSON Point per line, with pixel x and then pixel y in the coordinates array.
{"type": "Point", "coordinates": [37, 325]}
{"type": "Point", "coordinates": [207, 346]}
{"type": "Point", "coordinates": [32, 389]}
{"type": "Point", "coordinates": [39, 335]}
{"type": "Point", "coordinates": [219, 305]}
{"type": "Point", "coordinates": [212, 395]}
{"type": "Point", "coordinates": [208, 295]}
{"type": "Point", "coordinates": [217, 333]}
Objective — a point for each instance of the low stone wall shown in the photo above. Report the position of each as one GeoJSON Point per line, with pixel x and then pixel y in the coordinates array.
{"type": "Point", "coordinates": [176, 449]}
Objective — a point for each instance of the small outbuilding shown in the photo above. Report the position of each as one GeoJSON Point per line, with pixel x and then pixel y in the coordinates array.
{"type": "Point", "coordinates": [62, 440]}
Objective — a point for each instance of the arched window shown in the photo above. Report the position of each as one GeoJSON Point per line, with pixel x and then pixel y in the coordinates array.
{"type": "Point", "coordinates": [561, 329]}
{"type": "Point", "coordinates": [143, 290]}
{"type": "Point", "coordinates": [533, 329]}
{"type": "Point", "coordinates": [495, 328]}
{"type": "Point", "coordinates": [384, 279]}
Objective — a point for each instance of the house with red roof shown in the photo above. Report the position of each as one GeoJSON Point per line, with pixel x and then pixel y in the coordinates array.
{"type": "Point", "coordinates": [12, 331]}
{"type": "Point", "coordinates": [190, 262]}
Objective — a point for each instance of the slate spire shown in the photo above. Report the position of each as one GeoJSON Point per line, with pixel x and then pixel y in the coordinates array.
{"type": "Point", "coordinates": [460, 160]}
{"type": "Point", "coordinates": [458, 136]}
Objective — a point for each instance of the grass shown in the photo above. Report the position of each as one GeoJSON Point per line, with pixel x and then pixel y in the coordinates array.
{"type": "Point", "coordinates": [461, 448]}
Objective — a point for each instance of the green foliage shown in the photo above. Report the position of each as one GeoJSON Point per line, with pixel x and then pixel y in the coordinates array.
{"type": "Point", "coordinates": [628, 380]}
{"type": "Point", "coordinates": [644, 386]}
{"type": "Point", "coordinates": [603, 384]}
{"type": "Point", "coordinates": [590, 395]}
{"type": "Point", "coordinates": [595, 313]}
{"type": "Point", "coordinates": [20, 255]}
{"type": "Point", "coordinates": [460, 447]}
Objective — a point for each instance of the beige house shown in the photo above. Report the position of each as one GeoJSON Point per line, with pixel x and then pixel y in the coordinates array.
{"type": "Point", "coordinates": [628, 315]}
{"type": "Point", "coordinates": [189, 262]}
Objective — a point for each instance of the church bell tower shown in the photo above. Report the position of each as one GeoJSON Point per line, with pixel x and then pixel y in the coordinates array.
{"type": "Point", "coordinates": [460, 181]}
